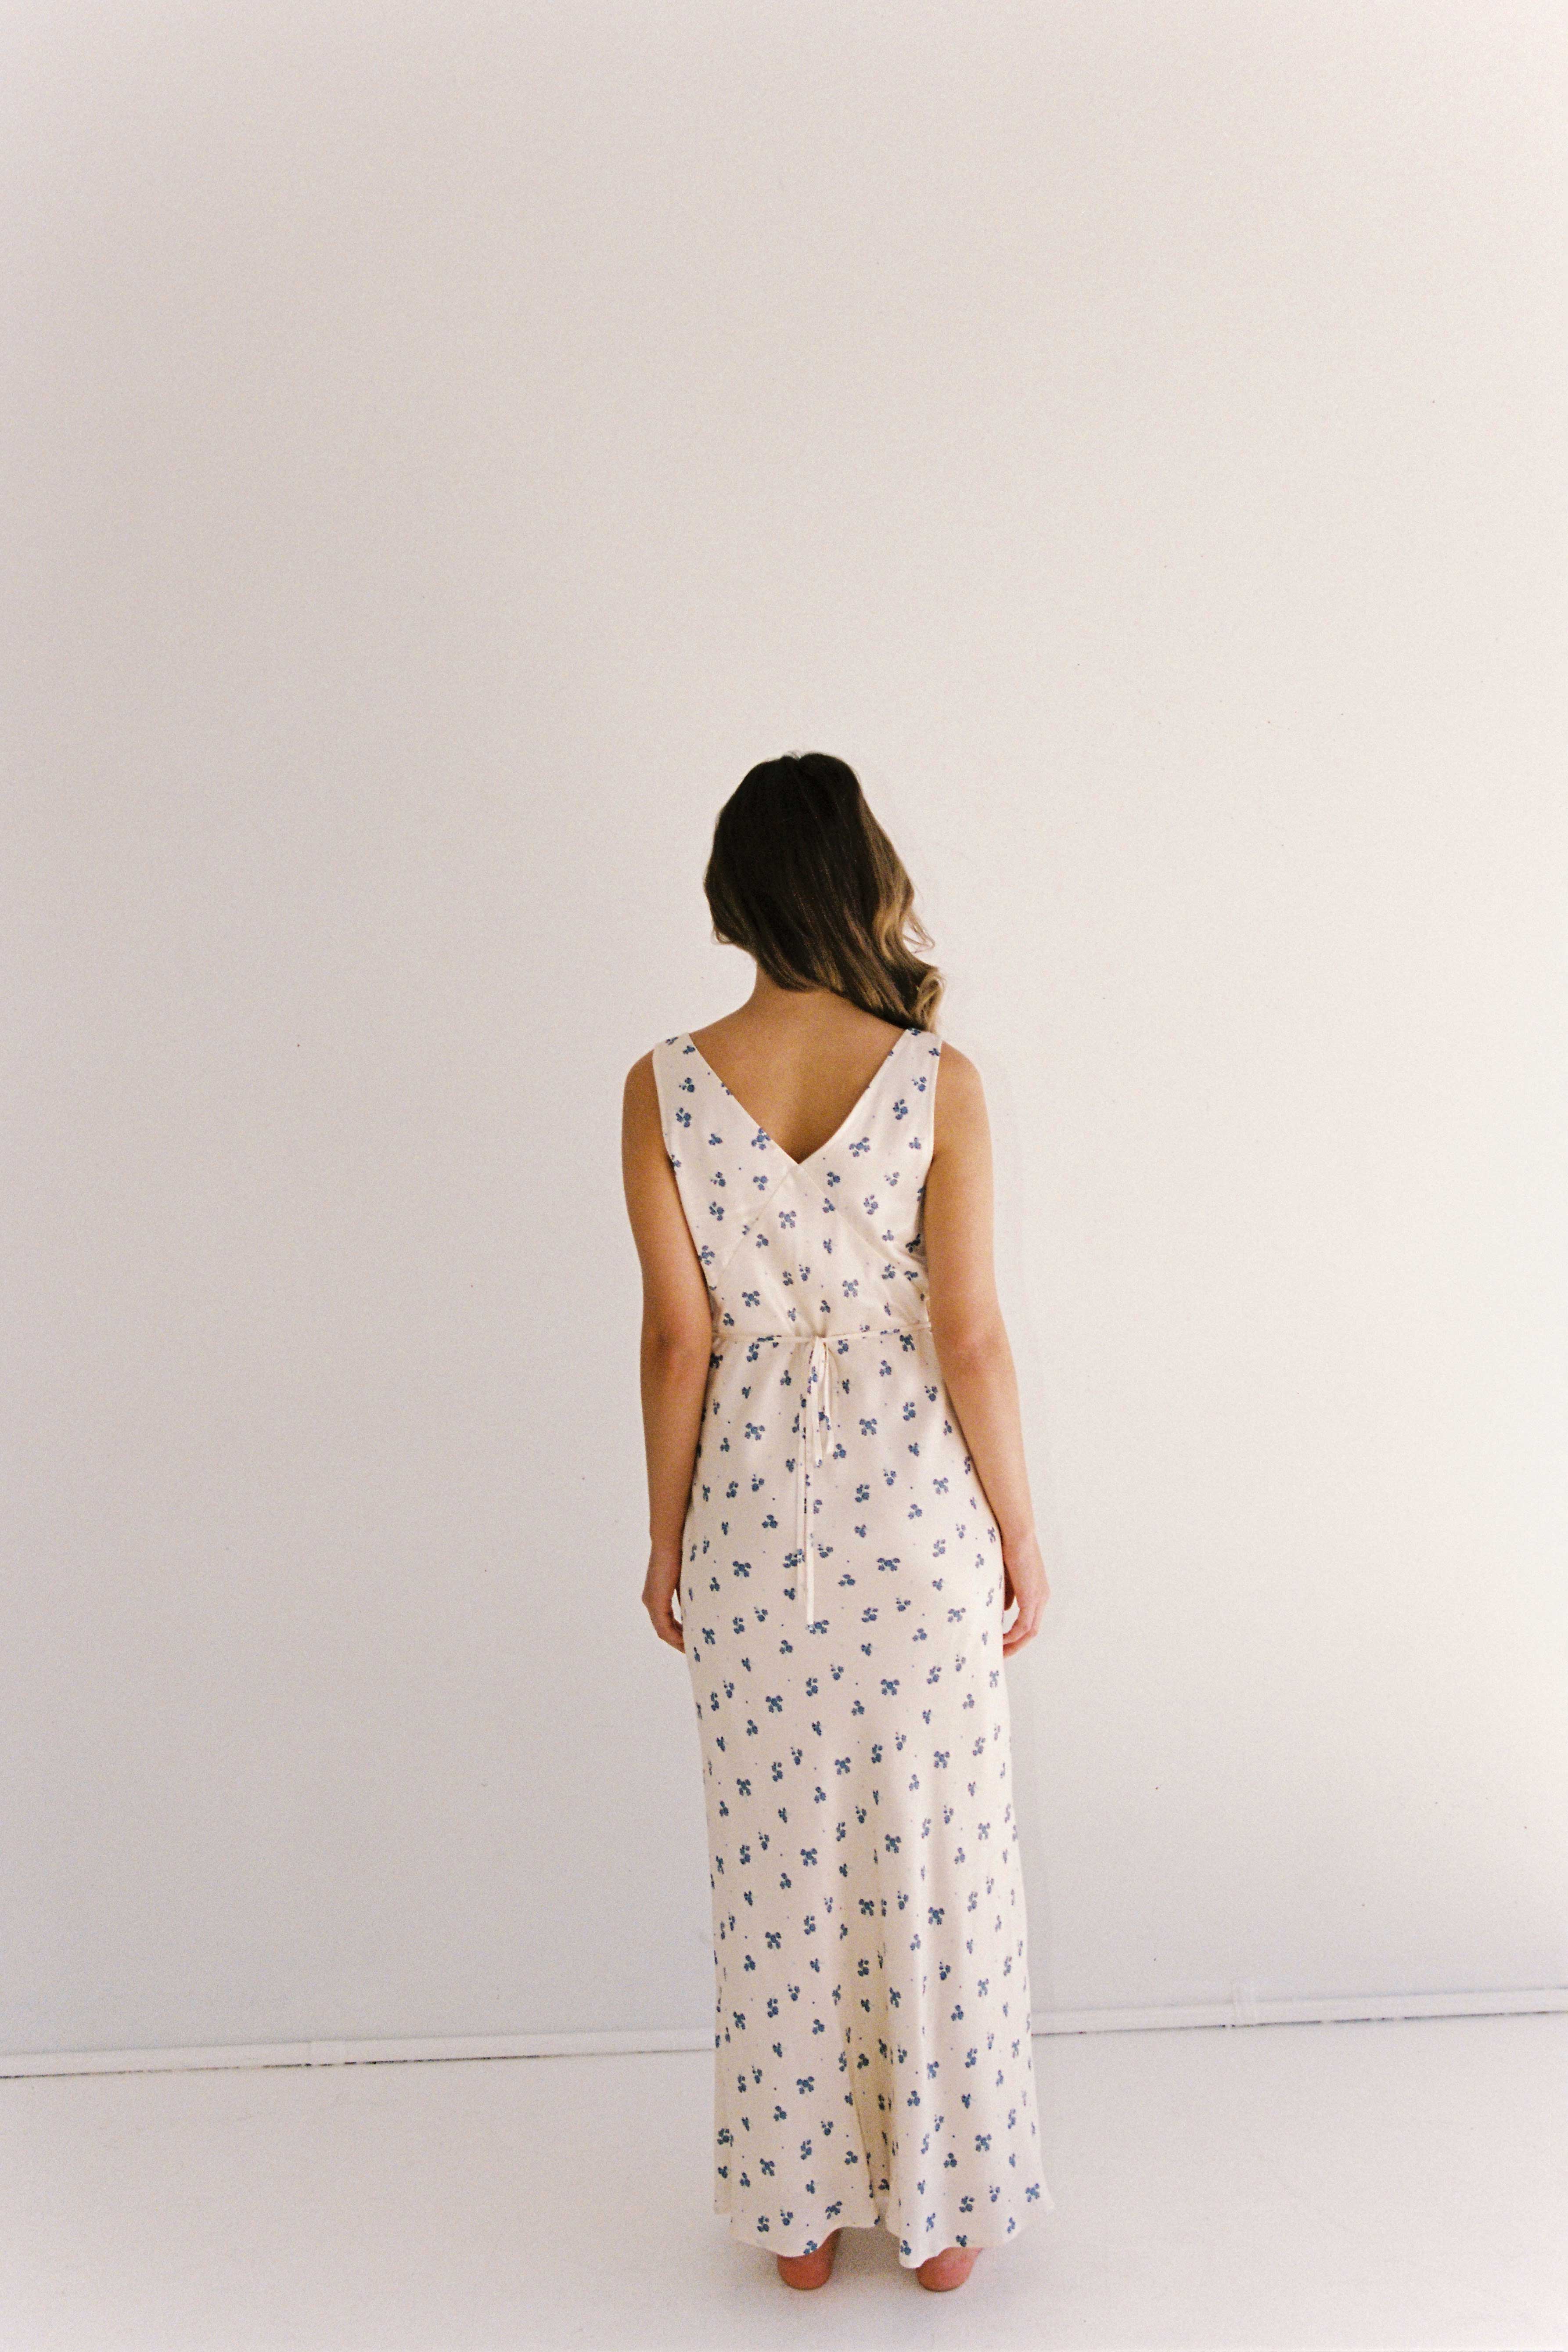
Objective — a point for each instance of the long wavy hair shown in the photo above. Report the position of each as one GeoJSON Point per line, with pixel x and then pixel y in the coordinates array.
{"type": "Point", "coordinates": [801, 876]}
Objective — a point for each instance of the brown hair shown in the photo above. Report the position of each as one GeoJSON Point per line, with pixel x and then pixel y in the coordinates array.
{"type": "Point", "coordinates": [802, 877]}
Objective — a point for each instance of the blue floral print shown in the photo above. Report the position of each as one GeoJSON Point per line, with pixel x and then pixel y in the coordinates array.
{"type": "Point", "coordinates": [842, 1593]}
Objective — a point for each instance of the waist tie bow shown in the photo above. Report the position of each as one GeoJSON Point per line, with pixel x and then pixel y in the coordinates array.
{"type": "Point", "coordinates": [821, 1381]}
{"type": "Point", "coordinates": [817, 1409]}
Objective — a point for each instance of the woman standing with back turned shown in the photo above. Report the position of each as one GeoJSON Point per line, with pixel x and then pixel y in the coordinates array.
{"type": "Point", "coordinates": [839, 1504]}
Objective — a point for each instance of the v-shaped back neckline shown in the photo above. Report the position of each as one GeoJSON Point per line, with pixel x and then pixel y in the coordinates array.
{"type": "Point", "coordinates": [848, 1120]}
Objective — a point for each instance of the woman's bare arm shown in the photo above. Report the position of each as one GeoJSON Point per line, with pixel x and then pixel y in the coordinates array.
{"type": "Point", "coordinates": [677, 1338]}
{"type": "Point", "coordinates": [966, 1325]}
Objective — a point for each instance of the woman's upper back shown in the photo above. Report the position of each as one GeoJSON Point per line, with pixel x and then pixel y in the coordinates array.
{"type": "Point", "coordinates": [799, 1073]}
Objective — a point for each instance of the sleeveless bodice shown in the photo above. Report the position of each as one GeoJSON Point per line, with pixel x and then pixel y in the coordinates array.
{"type": "Point", "coordinates": [811, 1255]}
{"type": "Point", "coordinates": [828, 1245]}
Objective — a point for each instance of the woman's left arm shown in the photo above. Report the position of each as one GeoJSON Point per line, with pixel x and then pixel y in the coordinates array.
{"type": "Point", "coordinates": [677, 1339]}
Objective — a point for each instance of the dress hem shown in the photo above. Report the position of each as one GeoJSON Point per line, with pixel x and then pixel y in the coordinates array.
{"type": "Point", "coordinates": [769, 2244]}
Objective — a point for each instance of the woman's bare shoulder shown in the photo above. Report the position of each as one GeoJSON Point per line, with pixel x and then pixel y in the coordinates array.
{"type": "Point", "coordinates": [960, 1104]}
{"type": "Point", "coordinates": [957, 1076]}
{"type": "Point", "coordinates": [640, 1094]}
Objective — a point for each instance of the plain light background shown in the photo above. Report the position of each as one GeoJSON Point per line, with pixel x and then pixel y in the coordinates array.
{"type": "Point", "coordinates": [446, 447]}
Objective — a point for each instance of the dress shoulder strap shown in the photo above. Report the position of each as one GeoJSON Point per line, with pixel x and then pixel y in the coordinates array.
{"type": "Point", "coordinates": [675, 1090]}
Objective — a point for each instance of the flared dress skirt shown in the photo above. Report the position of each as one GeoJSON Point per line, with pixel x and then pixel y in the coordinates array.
{"type": "Point", "coordinates": [842, 1599]}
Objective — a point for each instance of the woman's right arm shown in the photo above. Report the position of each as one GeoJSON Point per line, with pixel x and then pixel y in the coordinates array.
{"type": "Point", "coordinates": [677, 1339]}
{"type": "Point", "coordinates": [971, 1339]}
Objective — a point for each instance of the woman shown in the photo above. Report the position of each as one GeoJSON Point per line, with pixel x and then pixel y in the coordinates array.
{"type": "Point", "coordinates": [838, 1503]}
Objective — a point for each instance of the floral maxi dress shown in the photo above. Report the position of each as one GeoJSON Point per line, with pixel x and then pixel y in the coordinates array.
{"type": "Point", "coordinates": [841, 1596]}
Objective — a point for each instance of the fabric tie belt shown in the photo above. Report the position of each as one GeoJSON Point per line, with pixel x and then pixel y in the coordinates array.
{"type": "Point", "coordinates": [817, 1429]}
{"type": "Point", "coordinates": [819, 1378]}
{"type": "Point", "coordinates": [816, 1409]}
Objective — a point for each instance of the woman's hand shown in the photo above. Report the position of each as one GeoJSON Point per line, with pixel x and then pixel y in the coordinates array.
{"type": "Point", "coordinates": [1024, 1581]}
{"type": "Point", "coordinates": [658, 1594]}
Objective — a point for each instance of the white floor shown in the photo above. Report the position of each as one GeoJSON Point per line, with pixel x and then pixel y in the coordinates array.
{"type": "Point", "coordinates": [1399, 2187]}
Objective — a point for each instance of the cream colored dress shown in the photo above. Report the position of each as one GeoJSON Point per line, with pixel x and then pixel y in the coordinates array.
{"type": "Point", "coordinates": [841, 1594]}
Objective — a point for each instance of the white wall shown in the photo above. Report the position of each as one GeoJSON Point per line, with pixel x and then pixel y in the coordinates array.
{"type": "Point", "coordinates": [446, 448]}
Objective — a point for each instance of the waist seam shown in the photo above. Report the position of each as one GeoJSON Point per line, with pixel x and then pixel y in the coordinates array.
{"type": "Point", "coordinates": [810, 1338]}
